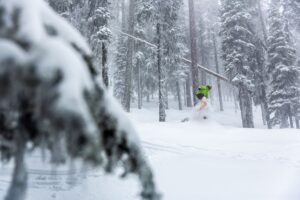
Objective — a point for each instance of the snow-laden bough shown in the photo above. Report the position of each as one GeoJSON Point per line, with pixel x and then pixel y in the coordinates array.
{"type": "Point", "coordinates": [50, 98]}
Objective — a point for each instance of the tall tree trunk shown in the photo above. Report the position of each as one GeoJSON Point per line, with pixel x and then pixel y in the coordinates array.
{"type": "Point", "coordinates": [290, 117]}
{"type": "Point", "coordinates": [162, 109]}
{"type": "Point", "coordinates": [235, 99]}
{"type": "Point", "coordinates": [284, 120]}
{"type": "Point", "coordinates": [184, 95]}
{"type": "Point", "coordinates": [204, 59]}
{"type": "Point", "coordinates": [265, 111]}
{"type": "Point", "coordinates": [179, 95]}
{"type": "Point", "coordinates": [104, 65]}
{"type": "Point", "coordinates": [166, 97]}
{"type": "Point", "coordinates": [124, 16]}
{"type": "Point", "coordinates": [188, 92]}
{"type": "Point", "coordinates": [297, 123]}
{"type": "Point", "coordinates": [262, 21]}
{"type": "Point", "coordinates": [139, 85]}
{"type": "Point", "coordinates": [18, 185]}
{"type": "Point", "coordinates": [246, 108]}
{"type": "Point", "coordinates": [128, 73]}
{"type": "Point", "coordinates": [264, 105]}
{"type": "Point", "coordinates": [194, 54]}
{"type": "Point", "coordinates": [218, 71]}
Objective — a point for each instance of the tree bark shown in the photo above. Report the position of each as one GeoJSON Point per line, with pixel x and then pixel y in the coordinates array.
{"type": "Point", "coordinates": [18, 186]}
{"type": "Point", "coordinates": [297, 123]}
{"type": "Point", "coordinates": [218, 71]}
{"type": "Point", "coordinates": [246, 108]}
{"type": "Point", "coordinates": [204, 60]}
{"type": "Point", "coordinates": [104, 65]}
{"type": "Point", "coordinates": [188, 92]}
{"type": "Point", "coordinates": [179, 95]}
{"type": "Point", "coordinates": [194, 54]}
{"type": "Point", "coordinates": [162, 109]}
{"type": "Point", "coordinates": [262, 21]}
{"type": "Point", "coordinates": [290, 117]}
{"type": "Point", "coordinates": [166, 97]}
{"type": "Point", "coordinates": [124, 27]}
{"type": "Point", "coordinates": [139, 85]}
{"type": "Point", "coordinates": [130, 46]}
{"type": "Point", "coordinates": [184, 95]}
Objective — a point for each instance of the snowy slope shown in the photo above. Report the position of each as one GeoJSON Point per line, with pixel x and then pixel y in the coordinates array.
{"type": "Point", "coordinates": [206, 160]}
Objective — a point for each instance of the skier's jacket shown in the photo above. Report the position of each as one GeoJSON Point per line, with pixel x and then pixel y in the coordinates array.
{"type": "Point", "coordinates": [204, 90]}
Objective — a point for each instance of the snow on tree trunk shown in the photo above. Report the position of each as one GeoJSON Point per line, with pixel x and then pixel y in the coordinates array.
{"type": "Point", "coordinates": [162, 107]}
{"type": "Point", "coordinates": [194, 54]}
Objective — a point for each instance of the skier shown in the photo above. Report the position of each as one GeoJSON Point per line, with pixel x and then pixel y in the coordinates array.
{"type": "Point", "coordinates": [202, 95]}
{"type": "Point", "coordinates": [202, 92]}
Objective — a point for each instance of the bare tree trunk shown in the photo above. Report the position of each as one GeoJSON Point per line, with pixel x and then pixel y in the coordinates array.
{"type": "Point", "coordinates": [246, 108]}
{"type": "Point", "coordinates": [290, 117]}
{"type": "Point", "coordinates": [128, 73]}
{"type": "Point", "coordinates": [185, 95]}
{"type": "Point", "coordinates": [124, 16]}
{"type": "Point", "coordinates": [188, 92]}
{"type": "Point", "coordinates": [18, 186]}
{"type": "Point", "coordinates": [202, 50]}
{"type": "Point", "coordinates": [194, 54]}
{"type": "Point", "coordinates": [284, 120]}
{"type": "Point", "coordinates": [262, 21]}
{"type": "Point", "coordinates": [139, 85]}
{"type": "Point", "coordinates": [263, 111]}
{"type": "Point", "coordinates": [166, 97]}
{"type": "Point", "coordinates": [218, 71]}
{"type": "Point", "coordinates": [179, 95]}
{"type": "Point", "coordinates": [162, 111]}
{"type": "Point", "coordinates": [104, 65]}
{"type": "Point", "coordinates": [265, 107]}
{"type": "Point", "coordinates": [297, 122]}
{"type": "Point", "coordinates": [266, 114]}
{"type": "Point", "coordinates": [236, 105]}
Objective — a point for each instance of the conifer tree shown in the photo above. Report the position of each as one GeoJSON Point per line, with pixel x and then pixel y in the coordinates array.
{"type": "Point", "coordinates": [284, 94]}
{"type": "Point", "coordinates": [238, 47]}
{"type": "Point", "coordinates": [51, 98]}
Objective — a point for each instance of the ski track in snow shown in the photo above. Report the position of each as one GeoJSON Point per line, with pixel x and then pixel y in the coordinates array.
{"type": "Point", "coordinates": [185, 149]}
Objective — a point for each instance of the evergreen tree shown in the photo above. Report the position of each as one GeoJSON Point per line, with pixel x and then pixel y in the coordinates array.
{"type": "Point", "coordinates": [174, 48]}
{"type": "Point", "coordinates": [239, 49]}
{"type": "Point", "coordinates": [292, 12]}
{"type": "Point", "coordinates": [51, 99]}
{"type": "Point", "coordinates": [284, 91]}
{"type": "Point", "coordinates": [120, 60]}
{"type": "Point", "coordinates": [120, 68]}
{"type": "Point", "coordinates": [91, 19]}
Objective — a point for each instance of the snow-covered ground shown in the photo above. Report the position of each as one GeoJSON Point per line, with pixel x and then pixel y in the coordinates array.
{"type": "Point", "coordinates": [213, 159]}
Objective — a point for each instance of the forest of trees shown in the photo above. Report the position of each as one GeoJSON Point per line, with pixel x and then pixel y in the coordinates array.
{"type": "Point", "coordinates": [154, 49]}
{"type": "Point", "coordinates": [55, 89]}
